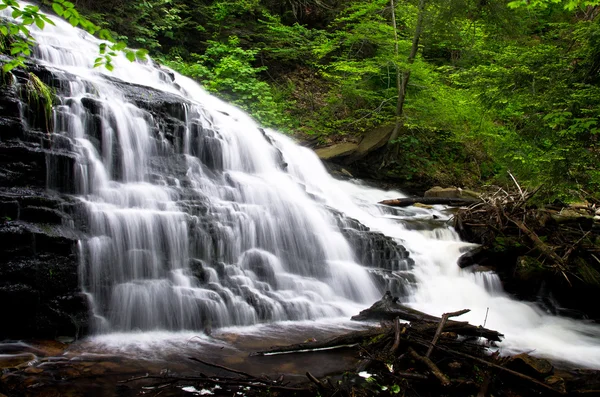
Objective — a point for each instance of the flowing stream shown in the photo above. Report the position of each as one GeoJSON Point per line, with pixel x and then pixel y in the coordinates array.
{"type": "Point", "coordinates": [207, 221]}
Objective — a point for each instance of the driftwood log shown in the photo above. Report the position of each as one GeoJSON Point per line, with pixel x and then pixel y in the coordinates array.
{"type": "Point", "coordinates": [408, 201]}
{"type": "Point", "coordinates": [388, 309]}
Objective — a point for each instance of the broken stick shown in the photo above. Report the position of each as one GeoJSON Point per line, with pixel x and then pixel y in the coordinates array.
{"type": "Point", "coordinates": [444, 380]}
{"type": "Point", "coordinates": [440, 328]}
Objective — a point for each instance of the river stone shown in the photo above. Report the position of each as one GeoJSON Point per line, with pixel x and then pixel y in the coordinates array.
{"type": "Point", "coordinates": [450, 192]}
{"type": "Point", "coordinates": [337, 151]}
{"type": "Point", "coordinates": [531, 366]}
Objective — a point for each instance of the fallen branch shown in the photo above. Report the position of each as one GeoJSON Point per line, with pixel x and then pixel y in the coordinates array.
{"type": "Point", "coordinates": [222, 367]}
{"type": "Point", "coordinates": [444, 380]}
{"type": "Point", "coordinates": [316, 381]}
{"type": "Point", "coordinates": [388, 309]}
{"type": "Point", "coordinates": [440, 328]}
{"type": "Point", "coordinates": [408, 201]}
{"type": "Point", "coordinates": [397, 334]}
{"type": "Point", "coordinates": [349, 340]}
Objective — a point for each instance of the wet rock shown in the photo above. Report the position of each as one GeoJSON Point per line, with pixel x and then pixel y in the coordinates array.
{"type": "Point", "coordinates": [556, 382]}
{"type": "Point", "coordinates": [13, 360]}
{"type": "Point", "coordinates": [529, 365]}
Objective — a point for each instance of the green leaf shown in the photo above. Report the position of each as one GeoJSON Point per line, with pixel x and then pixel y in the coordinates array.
{"type": "Point", "coordinates": [39, 23]}
{"type": "Point", "coordinates": [74, 21]}
{"type": "Point", "coordinates": [104, 34]}
{"type": "Point", "coordinates": [121, 45]}
{"type": "Point", "coordinates": [4, 30]}
{"type": "Point", "coordinates": [130, 55]}
{"type": "Point", "coordinates": [58, 9]}
{"type": "Point", "coordinates": [47, 20]}
{"type": "Point", "coordinates": [7, 67]}
{"type": "Point", "coordinates": [17, 13]}
{"type": "Point", "coordinates": [141, 53]}
{"type": "Point", "coordinates": [109, 66]}
{"type": "Point", "coordinates": [68, 4]}
{"type": "Point", "coordinates": [3, 6]}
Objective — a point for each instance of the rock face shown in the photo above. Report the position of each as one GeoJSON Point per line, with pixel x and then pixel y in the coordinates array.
{"type": "Point", "coordinates": [38, 254]}
{"type": "Point", "coordinates": [44, 226]}
{"type": "Point", "coordinates": [388, 261]}
{"type": "Point", "coordinates": [337, 151]}
{"type": "Point", "coordinates": [349, 152]}
{"type": "Point", "coordinates": [373, 140]}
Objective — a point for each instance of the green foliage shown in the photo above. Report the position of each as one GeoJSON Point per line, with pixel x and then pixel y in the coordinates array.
{"type": "Point", "coordinates": [569, 5]}
{"type": "Point", "coordinates": [226, 69]}
{"type": "Point", "coordinates": [496, 85]}
{"type": "Point", "coordinates": [16, 38]}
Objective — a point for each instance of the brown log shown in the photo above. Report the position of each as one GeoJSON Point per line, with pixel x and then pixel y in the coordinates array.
{"type": "Point", "coordinates": [397, 335]}
{"type": "Point", "coordinates": [408, 201]}
{"type": "Point", "coordinates": [431, 365]}
{"type": "Point", "coordinates": [440, 328]}
{"type": "Point", "coordinates": [388, 309]}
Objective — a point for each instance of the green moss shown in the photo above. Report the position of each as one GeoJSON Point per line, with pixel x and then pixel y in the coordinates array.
{"type": "Point", "coordinates": [376, 339]}
{"type": "Point", "coordinates": [41, 97]}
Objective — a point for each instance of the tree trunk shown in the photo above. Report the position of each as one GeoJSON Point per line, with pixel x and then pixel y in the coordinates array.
{"type": "Point", "coordinates": [402, 77]}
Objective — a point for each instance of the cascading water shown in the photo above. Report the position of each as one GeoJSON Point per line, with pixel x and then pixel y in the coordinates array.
{"type": "Point", "coordinates": [206, 220]}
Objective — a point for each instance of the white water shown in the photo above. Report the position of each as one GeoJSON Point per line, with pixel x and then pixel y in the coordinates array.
{"type": "Point", "coordinates": [208, 228]}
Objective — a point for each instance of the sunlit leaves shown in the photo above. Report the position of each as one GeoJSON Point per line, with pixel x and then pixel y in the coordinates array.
{"type": "Point", "coordinates": [569, 5]}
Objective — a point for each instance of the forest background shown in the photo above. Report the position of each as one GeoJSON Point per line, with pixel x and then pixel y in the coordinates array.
{"type": "Point", "coordinates": [495, 85]}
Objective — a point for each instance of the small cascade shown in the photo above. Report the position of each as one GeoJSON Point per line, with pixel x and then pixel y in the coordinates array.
{"type": "Point", "coordinates": [194, 217]}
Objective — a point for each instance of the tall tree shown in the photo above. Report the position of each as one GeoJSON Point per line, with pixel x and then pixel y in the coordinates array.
{"type": "Point", "coordinates": [404, 76]}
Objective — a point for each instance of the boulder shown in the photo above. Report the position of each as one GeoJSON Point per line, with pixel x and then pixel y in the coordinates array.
{"type": "Point", "coordinates": [337, 151]}
{"type": "Point", "coordinates": [451, 192]}
{"type": "Point", "coordinates": [372, 140]}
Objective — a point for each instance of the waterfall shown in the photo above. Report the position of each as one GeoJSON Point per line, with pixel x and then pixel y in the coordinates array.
{"type": "Point", "coordinates": [195, 217]}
